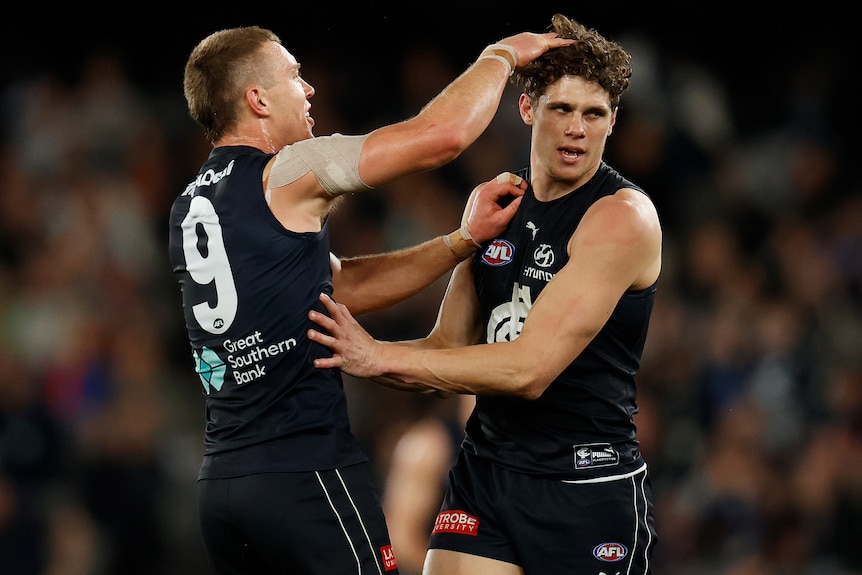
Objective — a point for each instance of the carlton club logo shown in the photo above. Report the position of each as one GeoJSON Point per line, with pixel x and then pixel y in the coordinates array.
{"type": "Point", "coordinates": [498, 253]}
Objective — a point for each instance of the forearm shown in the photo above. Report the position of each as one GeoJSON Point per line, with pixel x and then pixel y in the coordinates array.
{"type": "Point", "coordinates": [369, 283]}
{"type": "Point", "coordinates": [482, 85]}
{"type": "Point", "coordinates": [522, 368]}
{"type": "Point", "coordinates": [492, 369]}
{"type": "Point", "coordinates": [440, 132]}
{"type": "Point", "coordinates": [432, 341]}
{"type": "Point", "coordinates": [455, 118]}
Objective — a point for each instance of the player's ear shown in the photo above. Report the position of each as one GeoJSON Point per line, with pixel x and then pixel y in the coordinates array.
{"type": "Point", "coordinates": [525, 107]}
{"type": "Point", "coordinates": [255, 97]}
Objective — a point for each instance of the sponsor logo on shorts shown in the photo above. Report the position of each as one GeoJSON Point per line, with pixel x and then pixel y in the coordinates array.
{"type": "Point", "coordinates": [456, 521]}
{"type": "Point", "coordinates": [498, 253]}
{"type": "Point", "coordinates": [388, 557]}
{"type": "Point", "coordinates": [595, 455]}
{"type": "Point", "coordinates": [610, 552]}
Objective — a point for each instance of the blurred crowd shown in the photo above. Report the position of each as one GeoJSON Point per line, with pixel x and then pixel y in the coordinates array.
{"type": "Point", "coordinates": [750, 392]}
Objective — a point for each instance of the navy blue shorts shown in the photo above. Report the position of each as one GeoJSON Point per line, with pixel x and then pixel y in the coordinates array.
{"type": "Point", "coordinates": [315, 523]}
{"type": "Point", "coordinates": [548, 525]}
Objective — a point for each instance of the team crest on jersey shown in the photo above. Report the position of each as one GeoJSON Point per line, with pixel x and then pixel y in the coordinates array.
{"type": "Point", "coordinates": [508, 318]}
{"type": "Point", "coordinates": [499, 253]}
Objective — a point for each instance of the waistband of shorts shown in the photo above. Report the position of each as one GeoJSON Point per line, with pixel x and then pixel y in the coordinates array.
{"type": "Point", "coordinates": [609, 478]}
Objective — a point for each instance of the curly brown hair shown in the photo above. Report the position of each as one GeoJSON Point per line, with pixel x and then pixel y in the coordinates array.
{"type": "Point", "coordinates": [593, 57]}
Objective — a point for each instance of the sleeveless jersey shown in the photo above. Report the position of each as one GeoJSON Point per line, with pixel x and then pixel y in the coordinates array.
{"type": "Point", "coordinates": [581, 427]}
{"type": "Point", "coordinates": [247, 285]}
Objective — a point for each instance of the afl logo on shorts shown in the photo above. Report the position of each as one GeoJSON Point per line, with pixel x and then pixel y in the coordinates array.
{"type": "Point", "coordinates": [610, 551]}
{"type": "Point", "coordinates": [499, 253]}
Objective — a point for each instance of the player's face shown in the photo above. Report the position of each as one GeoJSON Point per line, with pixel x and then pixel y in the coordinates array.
{"type": "Point", "coordinates": [570, 125]}
{"type": "Point", "coordinates": [290, 95]}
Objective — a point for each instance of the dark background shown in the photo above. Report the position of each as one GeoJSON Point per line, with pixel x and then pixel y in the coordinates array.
{"type": "Point", "coordinates": [746, 42]}
{"type": "Point", "coordinates": [761, 293]}
{"type": "Point", "coordinates": [751, 48]}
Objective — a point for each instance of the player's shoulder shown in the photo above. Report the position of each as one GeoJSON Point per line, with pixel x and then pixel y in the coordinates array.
{"type": "Point", "coordinates": [626, 213]}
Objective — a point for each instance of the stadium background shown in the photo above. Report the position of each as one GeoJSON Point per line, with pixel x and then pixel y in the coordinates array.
{"type": "Point", "coordinates": [741, 122]}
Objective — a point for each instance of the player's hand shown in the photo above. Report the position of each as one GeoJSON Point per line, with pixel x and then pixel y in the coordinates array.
{"type": "Point", "coordinates": [354, 351]}
{"type": "Point", "coordinates": [485, 216]}
{"type": "Point", "coordinates": [528, 45]}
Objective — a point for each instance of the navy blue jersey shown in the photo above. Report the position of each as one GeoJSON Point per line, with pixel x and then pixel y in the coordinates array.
{"type": "Point", "coordinates": [581, 427]}
{"type": "Point", "coordinates": [247, 286]}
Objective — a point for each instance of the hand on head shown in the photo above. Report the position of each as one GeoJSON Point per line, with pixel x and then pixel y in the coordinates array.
{"type": "Point", "coordinates": [528, 45]}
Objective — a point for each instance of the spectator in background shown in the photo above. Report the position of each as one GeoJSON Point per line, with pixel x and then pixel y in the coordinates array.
{"type": "Point", "coordinates": [793, 211]}
{"type": "Point", "coordinates": [416, 477]}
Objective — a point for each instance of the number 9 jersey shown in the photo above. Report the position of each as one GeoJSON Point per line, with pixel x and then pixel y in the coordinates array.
{"type": "Point", "coordinates": [247, 285]}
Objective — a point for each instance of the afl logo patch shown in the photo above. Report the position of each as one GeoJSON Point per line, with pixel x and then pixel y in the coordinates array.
{"type": "Point", "coordinates": [610, 552]}
{"type": "Point", "coordinates": [499, 253]}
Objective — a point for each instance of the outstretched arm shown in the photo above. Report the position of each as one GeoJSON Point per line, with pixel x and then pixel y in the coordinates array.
{"type": "Point", "coordinates": [368, 283]}
{"type": "Point", "coordinates": [453, 120]}
{"type": "Point", "coordinates": [302, 180]}
{"type": "Point", "coordinates": [616, 247]}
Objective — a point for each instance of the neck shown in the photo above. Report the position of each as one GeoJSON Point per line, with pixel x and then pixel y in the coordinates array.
{"type": "Point", "coordinates": [255, 135]}
{"type": "Point", "coordinates": [259, 142]}
{"type": "Point", "coordinates": [547, 186]}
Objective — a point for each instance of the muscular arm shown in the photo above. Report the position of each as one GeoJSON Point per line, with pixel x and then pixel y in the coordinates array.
{"type": "Point", "coordinates": [616, 247]}
{"type": "Point", "coordinates": [438, 134]}
{"type": "Point", "coordinates": [451, 121]}
{"type": "Point", "coordinates": [458, 324]}
{"type": "Point", "coordinates": [369, 283]}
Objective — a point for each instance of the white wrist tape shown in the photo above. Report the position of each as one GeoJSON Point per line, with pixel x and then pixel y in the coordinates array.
{"type": "Point", "coordinates": [497, 57]}
{"type": "Point", "coordinates": [503, 53]}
